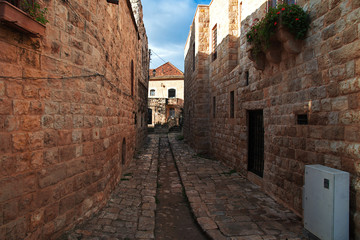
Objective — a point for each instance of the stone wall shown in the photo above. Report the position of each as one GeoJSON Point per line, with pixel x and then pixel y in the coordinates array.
{"type": "Point", "coordinates": [158, 107]}
{"type": "Point", "coordinates": [322, 82]}
{"type": "Point", "coordinates": [142, 75]}
{"type": "Point", "coordinates": [68, 101]}
{"type": "Point", "coordinates": [196, 92]}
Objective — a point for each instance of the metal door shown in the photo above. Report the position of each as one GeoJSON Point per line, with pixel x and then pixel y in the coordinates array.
{"type": "Point", "coordinates": [256, 142]}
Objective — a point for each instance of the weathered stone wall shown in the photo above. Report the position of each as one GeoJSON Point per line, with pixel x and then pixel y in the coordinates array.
{"type": "Point", "coordinates": [142, 75]}
{"type": "Point", "coordinates": [196, 92]}
{"type": "Point", "coordinates": [321, 81]}
{"type": "Point", "coordinates": [66, 109]}
{"type": "Point", "coordinates": [158, 107]}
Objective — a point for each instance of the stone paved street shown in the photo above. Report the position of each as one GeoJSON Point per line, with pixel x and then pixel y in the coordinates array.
{"type": "Point", "coordinates": [130, 212]}
{"type": "Point", "coordinates": [225, 205]}
{"type": "Point", "coordinates": [173, 216]}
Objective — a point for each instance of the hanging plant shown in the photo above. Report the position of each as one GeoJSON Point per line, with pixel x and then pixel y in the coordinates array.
{"type": "Point", "coordinates": [293, 17]}
{"type": "Point", "coordinates": [35, 11]}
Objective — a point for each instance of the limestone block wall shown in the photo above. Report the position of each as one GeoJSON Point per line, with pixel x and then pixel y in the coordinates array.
{"type": "Point", "coordinates": [142, 75]}
{"type": "Point", "coordinates": [67, 106]}
{"type": "Point", "coordinates": [158, 107]}
{"type": "Point", "coordinates": [322, 81]}
{"type": "Point", "coordinates": [196, 108]}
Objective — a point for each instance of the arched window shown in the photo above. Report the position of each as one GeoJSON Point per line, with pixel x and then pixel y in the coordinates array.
{"type": "Point", "coordinates": [171, 93]}
{"type": "Point", "coordinates": [152, 92]}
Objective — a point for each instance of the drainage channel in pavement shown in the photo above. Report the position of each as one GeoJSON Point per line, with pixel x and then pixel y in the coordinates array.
{"type": "Point", "coordinates": [173, 217]}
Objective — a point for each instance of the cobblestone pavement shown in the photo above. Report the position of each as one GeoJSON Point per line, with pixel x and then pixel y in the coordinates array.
{"type": "Point", "coordinates": [225, 205]}
{"type": "Point", "coordinates": [130, 212]}
{"type": "Point", "coordinates": [173, 216]}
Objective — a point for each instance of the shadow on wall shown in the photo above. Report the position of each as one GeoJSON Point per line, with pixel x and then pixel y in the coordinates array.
{"type": "Point", "coordinates": [288, 85]}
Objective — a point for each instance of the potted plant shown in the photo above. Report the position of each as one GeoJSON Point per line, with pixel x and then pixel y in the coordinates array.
{"type": "Point", "coordinates": [284, 25]}
{"type": "Point", "coordinates": [24, 15]}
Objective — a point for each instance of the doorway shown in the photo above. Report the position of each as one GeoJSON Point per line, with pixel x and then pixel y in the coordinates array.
{"type": "Point", "coordinates": [256, 142]}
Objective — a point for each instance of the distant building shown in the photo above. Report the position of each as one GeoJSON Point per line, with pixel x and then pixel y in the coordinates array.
{"type": "Point", "coordinates": [296, 103]}
{"type": "Point", "coordinates": [166, 95]}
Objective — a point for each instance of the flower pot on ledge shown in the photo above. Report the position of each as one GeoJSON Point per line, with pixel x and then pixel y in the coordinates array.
{"type": "Point", "coordinates": [16, 18]}
{"type": "Point", "coordinates": [259, 59]}
{"type": "Point", "coordinates": [273, 52]}
{"type": "Point", "coordinates": [289, 42]}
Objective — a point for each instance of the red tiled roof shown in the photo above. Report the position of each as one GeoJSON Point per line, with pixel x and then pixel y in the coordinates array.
{"type": "Point", "coordinates": [166, 69]}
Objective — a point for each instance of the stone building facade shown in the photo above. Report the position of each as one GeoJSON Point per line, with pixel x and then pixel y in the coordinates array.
{"type": "Point", "coordinates": [71, 97]}
{"type": "Point", "coordinates": [166, 95]}
{"type": "Point", "coordinates": [301, 110]}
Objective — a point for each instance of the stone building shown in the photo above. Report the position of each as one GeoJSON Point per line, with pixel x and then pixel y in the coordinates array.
{"type": "Point", "coordinates": [73, 104]}
{"type": "Point", "coordinates": [269, 123]}
{"type": "Point", "coordinates": [166, 95]}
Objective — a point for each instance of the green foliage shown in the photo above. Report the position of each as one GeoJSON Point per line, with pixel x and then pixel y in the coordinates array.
{"type": "Point", "coordinates": [35, 11]}
{"type": "Point", "coordinates": [292, 17]}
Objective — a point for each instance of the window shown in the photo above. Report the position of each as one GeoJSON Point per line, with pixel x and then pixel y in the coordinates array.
{"type": "Point", "coordinates": [214, 42]}
{"type": "Point", "coordinates": [274, 3]}
{"type": "Point", "coordinates": [152, 92]}
{"type": "Point", "coordinates": [271, 4]}
{"type": "Point", "coordinates": [123, 152]}
{"type": "Point", "coordinates": [132, 78]}
{"type": "Point", "coordinates": [214, 107]}
{"type": "Point", "coordinates": [232, 104]}
{"type": "Point", "coordinates": [113, 1]}
{"type": "Point", "coordinates": [247, 78]}
{"type": "Point", "coordinates": [149, 116]}
{"type": "Point", "coordinates": [172, 112]}
{"type": "Point", "coordinates": [289, 2]}
{"type": "Point", "coordinates": [302, 119]}
{"type": "Point", "coordinates": [171, 93]}
{"type": "Point", "coordinates": [193, 56]}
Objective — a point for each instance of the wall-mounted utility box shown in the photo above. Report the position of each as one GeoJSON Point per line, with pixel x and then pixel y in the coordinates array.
{"type": "Point", "coordinates": [326, 202]}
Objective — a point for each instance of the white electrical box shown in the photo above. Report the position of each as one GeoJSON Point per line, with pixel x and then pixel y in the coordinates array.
{"type": "Point", "coordinates": [326, 202]}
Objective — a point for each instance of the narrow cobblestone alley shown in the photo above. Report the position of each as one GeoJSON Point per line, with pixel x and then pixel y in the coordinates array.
{"type": "Point", "coordinates": [149, 202]}
{"type": "Point", "coordinates": [130, 212]}
{"type": "Point", "coordinates": [173, 217]}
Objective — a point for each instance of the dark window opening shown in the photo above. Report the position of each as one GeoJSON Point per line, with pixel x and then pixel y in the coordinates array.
{"type": "Point", "coordinates": [247, 78]}
{"type": "Point", "coordinates": [302, 119]}
{"type": "Point", "coordinates": [214, 43]}
{"type": "Point", "coordinates": [132, 78]}
{"type": "Point", "coordinates": [232, 104]}
{"type": "Point", "coordinates": [123, 152]}
{"type": "Point", "coordinates": [152, 92]}
{"type": "Point", "coordinates": [172, 112]}
{"type": "Point", "coordinates": [113, 1]}
{"type": "Point", "coordinates": [135, 118]}
{"type": "Point", "coordinates": [214, 107]}
{"type": "Point", "coordinates": [289, 2]}
{"type": "Point", "coordinates": [271, 4]}
{"type": "Point", "coordinates": [171, 93]}
{"type": "Point", "coordinates": [149, 116]}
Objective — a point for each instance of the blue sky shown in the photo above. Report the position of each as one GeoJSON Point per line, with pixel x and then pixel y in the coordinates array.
{"type": "Point", "coordinates": [167, 24]}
